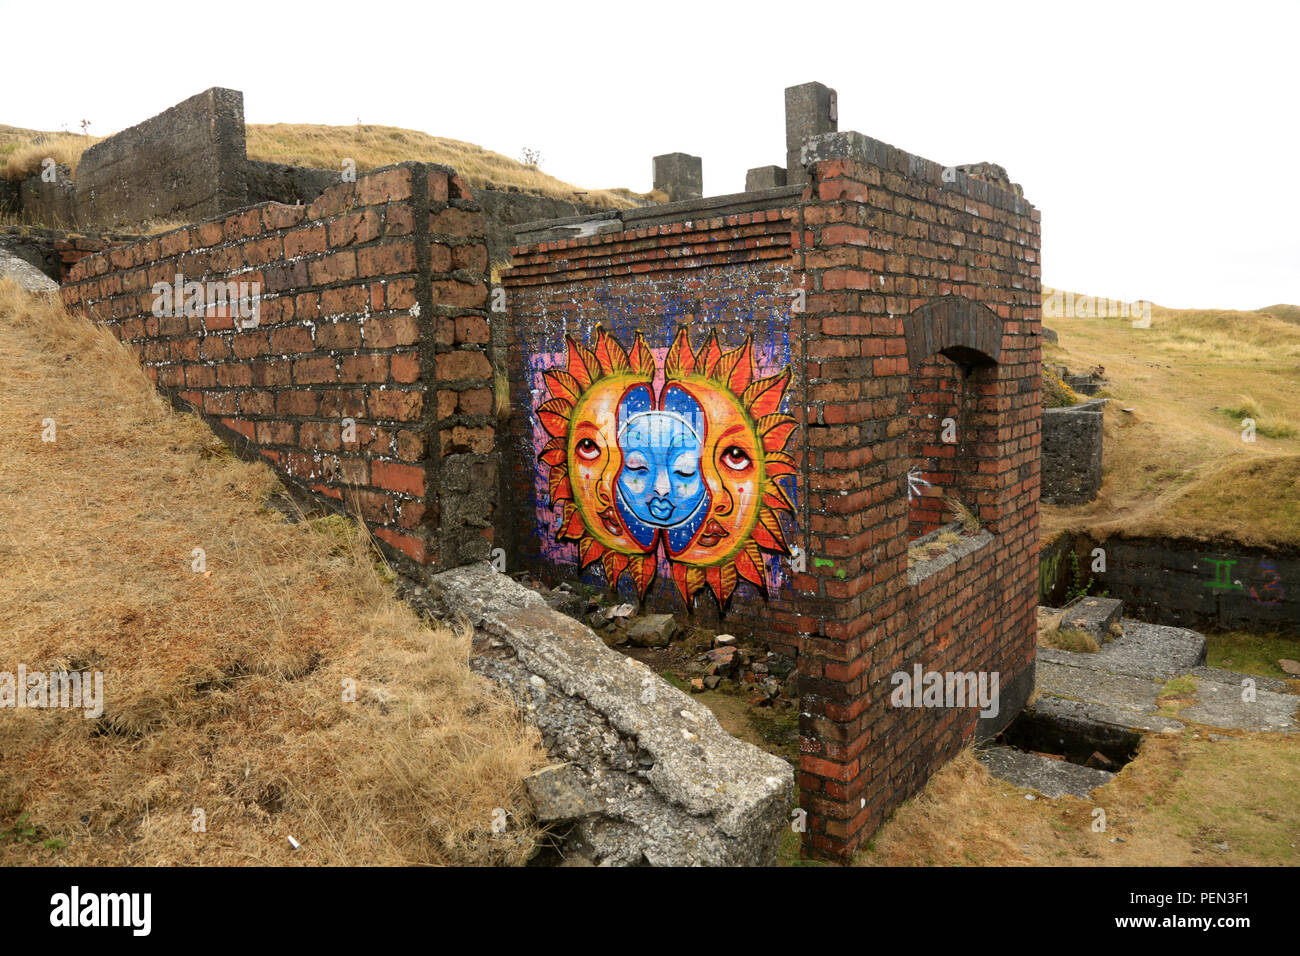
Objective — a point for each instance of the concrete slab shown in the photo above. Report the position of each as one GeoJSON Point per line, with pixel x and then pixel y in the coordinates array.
{"type": "Point", "coordinates": [1111, 690]}
{"type": "Point", "coordinates": [1094, 615]}
{"type": "Point", "coordinates": [1051, 778]}
{"type": "Point", "coordinates": [1220, 705]}
{"type": "Point", "coordinates": [1151, 651]}
{"type": "Point", "coordinates": [1275, 684]}
{"type": "Point", "coordinates": [1089, 712]}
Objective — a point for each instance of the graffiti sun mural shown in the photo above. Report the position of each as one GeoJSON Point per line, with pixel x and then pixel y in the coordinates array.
{"type": "Point", "coordinates": [688, 474]}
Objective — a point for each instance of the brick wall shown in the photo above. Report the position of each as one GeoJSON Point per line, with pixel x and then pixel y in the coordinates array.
{"type": "Point", "coordinates": [922, 303]}
{"type": "Point", "coordinates": [904, 265]}
{"type": "Point", "coordinates": [729, 275]}
{"type": "Point", "coordinates": [73, 249]}
{"type": "Point", "coordinates": [370, 307]}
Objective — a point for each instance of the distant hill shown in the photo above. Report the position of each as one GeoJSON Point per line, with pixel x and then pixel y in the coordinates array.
{"type": "Point", "coordinates": [22, 150]}
{"type": "Point", "coordinates": [1175, 464]}
{"type": "Point", "coordinates": [1287, 313]}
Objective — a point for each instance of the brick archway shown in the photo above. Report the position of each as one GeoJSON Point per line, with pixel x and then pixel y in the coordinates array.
{"type": "Point", "coordinates": [963, 330]}
{"type": "Point", "coordinates": [953, 348]}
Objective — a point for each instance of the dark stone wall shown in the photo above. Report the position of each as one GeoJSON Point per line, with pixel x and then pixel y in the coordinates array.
{"type": "Point", "coordinates": [1072, 440]}
{"type": "Point", "coordinates": [503, 210]}
{"type": "Point", "coordinates": [1193, 584]}
{"type": "Point", "coordinates": [185, 163]}
{"type": "Point", "coordinates": [49, 203]}
{"type": "Point", "coordinates": [279, 182]}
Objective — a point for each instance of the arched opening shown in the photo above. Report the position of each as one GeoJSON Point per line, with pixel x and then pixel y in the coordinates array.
{"type": "Point", "coordinates": [952, 436]}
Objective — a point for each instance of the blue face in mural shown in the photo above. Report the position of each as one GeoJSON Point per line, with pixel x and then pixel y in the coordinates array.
{"type": "Point", "coordinates": [660, 485]}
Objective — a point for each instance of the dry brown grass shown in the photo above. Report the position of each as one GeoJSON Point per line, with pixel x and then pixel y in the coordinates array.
{"type": "Point", "coordinates": [223, 691]}
{"type": "Point", "coordinates": [373, 146]}
{"type": "Point", "coordinates": [1178, 803]}
{"type": "Point", "coordinates": [1052, 634]}
{"type": "Point", "coordinates": [21, 154]}
{"type": "Point", "coordinates": [1176, 464]}
{"type": "Point", "coordinates": [326, 147]}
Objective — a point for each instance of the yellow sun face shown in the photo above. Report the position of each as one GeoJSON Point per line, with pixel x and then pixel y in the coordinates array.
{"type": "Point", "coordinates": [689, 474]}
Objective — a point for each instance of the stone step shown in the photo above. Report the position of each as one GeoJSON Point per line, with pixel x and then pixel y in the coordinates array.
{"type": "Point", "coordinates": [1094, 615]}
{"type": "Point", "coordinates": [1152, 651]}
{"type": "Point", "coordinates": [1051, 778]}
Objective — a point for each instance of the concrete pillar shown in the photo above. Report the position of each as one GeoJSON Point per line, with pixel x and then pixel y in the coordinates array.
{"type": "Point", "coordinates": [810, 109]}
{"type": "Point", "coordinates": [764, 177]}
{"type": "Point", "coordinates": [680, 175]}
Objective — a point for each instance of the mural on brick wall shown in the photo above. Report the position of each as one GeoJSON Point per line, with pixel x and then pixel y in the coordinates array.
{"type": "Point", "coordinates": [680, 466]}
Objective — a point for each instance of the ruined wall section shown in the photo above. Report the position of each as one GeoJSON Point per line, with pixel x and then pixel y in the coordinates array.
{"type": "Point", "coordinates": [185, 163]}
{"type": "Point", "coordinates": [369, 310]}
{"type": "Point", "coordinates": [885, 237]}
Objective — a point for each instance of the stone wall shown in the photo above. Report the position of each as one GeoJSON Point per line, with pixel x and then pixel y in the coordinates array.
{"type": "Point", "coordinates": [1072, 453]}
{"type": "Point", "coordinates": [791, 329]}
{"type": "Point", "coordinates": [185, 163]}
{"type": "Point", "coordinates": [55, 251]}
{"type": "Point", "coordinates": [355, 359]}
{"type": "Point", "coordinates": [1198, 585]}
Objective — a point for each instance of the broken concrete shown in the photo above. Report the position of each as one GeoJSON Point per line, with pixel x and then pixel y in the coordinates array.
{"type": "Point", "coordinates": [675, 788]}
{"type": "Point", "coordinates": [1150, 651]}
{"type": "Point", "coordinates": [1119, 686]}
{"type": "Point", "coordinates": [28, 277]}
{"type": "Point", "coordinates": [1051, 778]}
{"type": "Point", "coordinates": [652, 630]}
{"type": "Point", "coordinates": [561, 793]}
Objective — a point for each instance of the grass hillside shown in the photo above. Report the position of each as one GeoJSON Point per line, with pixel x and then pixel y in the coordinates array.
{"type": "Point", "coordinates": [1180, 803]}
{"type": "Point", "coordinates": [1175, 462]}
{"type": "Point", "coordinates": [224, 686]}
{"type": "Point", "coordinates": [22, 151]}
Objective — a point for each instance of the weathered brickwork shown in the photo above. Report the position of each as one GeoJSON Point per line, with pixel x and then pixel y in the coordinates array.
{"type": "Point", "coordinates": [729, 275]}
{"type": "Point", "coordinates": [363, 374]}
{"type": "Point", "coordinates": [920, 301]}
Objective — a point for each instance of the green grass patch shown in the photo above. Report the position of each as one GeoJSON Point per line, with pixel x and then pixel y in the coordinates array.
{"type": "Point", "coordinates": [1266, 423]}
{"type": "Point", "coordinates": [1251, 653]}
{"type": "Point", "coordinates": [1176, 694]}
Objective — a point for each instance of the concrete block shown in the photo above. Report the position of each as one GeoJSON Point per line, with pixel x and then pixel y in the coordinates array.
{"type": "Point", "coordinates": [680, 175]}
{"type": "Point", "coordinates": [764, 177]}
{"type": "Point", "coordinates": [810, 110]}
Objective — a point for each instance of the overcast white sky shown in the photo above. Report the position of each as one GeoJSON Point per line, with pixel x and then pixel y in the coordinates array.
{"type": "Point", "coordinates": [1160, 141]}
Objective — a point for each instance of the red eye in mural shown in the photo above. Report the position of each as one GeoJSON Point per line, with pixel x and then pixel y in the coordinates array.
{"type": "Point", "coordinates": [587, 449]}
{"type": "Point", "coordinates": [735, 458]}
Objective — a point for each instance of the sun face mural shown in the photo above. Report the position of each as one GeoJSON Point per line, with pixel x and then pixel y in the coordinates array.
{"type": "Point", "coordinates": [682, 464]}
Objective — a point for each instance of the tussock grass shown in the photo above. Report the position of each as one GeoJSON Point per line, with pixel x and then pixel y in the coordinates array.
{"type": "Point", "coordinates": [223, 690]}
{"type": "Point", "coordinates": [20, 159]}
{"type": "Point", "coordinates": [1265, 423]}
{"type": "Point", "coordinates": [1052, 634]}
{"type": "Point", "coordinates": [970, 523]}
{"type": "Point", "coordinates": [1176, 804]}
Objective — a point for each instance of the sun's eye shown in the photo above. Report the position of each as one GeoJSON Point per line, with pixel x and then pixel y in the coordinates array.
{"type": "Point", "coordinates": [587, 449]}
{"type": "Point", "coordinates": [735, 458]}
